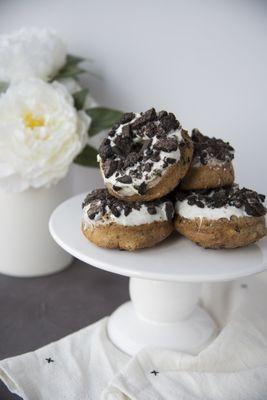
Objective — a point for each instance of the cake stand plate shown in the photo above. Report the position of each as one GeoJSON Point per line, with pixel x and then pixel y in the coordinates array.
{"type": "Point", "coordinates": [165, 283]}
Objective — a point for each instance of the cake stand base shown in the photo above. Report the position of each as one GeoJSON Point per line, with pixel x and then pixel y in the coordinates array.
{"type": "Point", "coordinates": [161, 314]}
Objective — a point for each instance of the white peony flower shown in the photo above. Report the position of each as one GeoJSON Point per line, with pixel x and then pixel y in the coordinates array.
{"type": "Point", "coordinates": [90, 102]}
{"type": "Point", "coordinates": [27, 53]}
{"type": "Point", "coordinates": [40, 134]}
{"type": "Point", "coordinates": [71, 85]}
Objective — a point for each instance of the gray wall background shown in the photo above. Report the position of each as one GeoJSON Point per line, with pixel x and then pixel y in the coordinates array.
{"type": "Point", "coordinates": [204, 60]}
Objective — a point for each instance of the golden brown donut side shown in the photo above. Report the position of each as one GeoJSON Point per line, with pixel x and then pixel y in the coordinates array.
{"type": "Point", "coordinates": [222, 233]}
{"type": "Point", "coordinates": [205, 177]}
{"type": "Point", "coordinates": [128, 237]}
{"type": "Point", "coordinates": [168, 181]}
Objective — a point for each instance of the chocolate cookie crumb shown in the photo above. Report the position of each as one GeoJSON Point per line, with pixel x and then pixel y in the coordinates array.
{"type": "Point", "coordinates": [151, 209]}
{"type": "Point", "coordinates": [116, 188]}
{"type": "Point", "coordinates": [206, 148]}
{"type": "Point", "coordinates": [125, 179]}
{"type": "Point", "coordinates": [127, 117]}
{"type": "Point", "coordinates": [105, 151]}
{"type": "Point", "coordinates": [142, 188]}
{"type": "Point", "coordinates": [109, 167]}
{"type": "Point", "coordinates": [148, 167]}
{"type": "Point", "coordinates": [167, 144]}
{"type": "Point", "coordinates": [169, 210]}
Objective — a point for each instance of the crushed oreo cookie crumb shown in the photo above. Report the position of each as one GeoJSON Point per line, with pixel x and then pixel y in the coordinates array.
{"type": "Point", "coordinates": [105, 151]}
{"type": "Point", "coordinates": [169, 122]}
{"type": "Point", "coordinates": [162, 114]}
{"type": "Point", "coordinates": [167, 144]}
{"type": "Point", "coordinates": [155, 157]}
{"type": "Point", "coordinates": [148, 167]}
{"type": "Point", "coordinates": [116, 188]}
{"type": "Point", "coordinates": [151, 209]}
{"type": "Point", "coordinates": [127, 117]}
{"type": "Point", "coordinates": [110, 167]}
{"type": "Point", "coordinates": [142, 188]}
{"type": "Point", "coordinates": [125, 179]}
{"type": "Point", "coordinates": [131, 160]}
{"type": "Point", "coordinates": [170, 160]}
{"type": "Point", "coordinates": [206, 148]}
{"type": "Point", "coordinates": [169, 210]}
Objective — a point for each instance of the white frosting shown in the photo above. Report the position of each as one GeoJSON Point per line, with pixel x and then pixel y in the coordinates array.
{"type": "Point", "coordinates": [135, 217]}
{"type": "Point", "coordinates": [188, 211]}
{"type": "Point", "coordinates": [211, 162]}
{"type": "Point", "coordinates": [151, 180]}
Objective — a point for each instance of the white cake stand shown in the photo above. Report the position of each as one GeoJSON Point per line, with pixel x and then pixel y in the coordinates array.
{"type": "Point", "coordinates": [165, 283]}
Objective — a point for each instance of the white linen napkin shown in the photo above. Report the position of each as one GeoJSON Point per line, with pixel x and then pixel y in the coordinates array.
{"type": "Point", "coordinates": [86, 365]}
{"type": "Point", "coordinates": [78, 366]}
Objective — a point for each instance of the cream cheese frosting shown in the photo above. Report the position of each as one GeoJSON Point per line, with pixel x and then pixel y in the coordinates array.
{"type": "Point", "coordinates": [192, 211]}
{"type": "Point", "coordinates": [100, 208]}
{"type": "Point", "coordinates": [223, 202]}
{"type": "Point", "coordinates": [136, 217]}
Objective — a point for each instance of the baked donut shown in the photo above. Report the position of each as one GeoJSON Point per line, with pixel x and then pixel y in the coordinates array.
{"type": "Point", "coordinates": [211, 166]}
{"type": "Point", "coordinates": [112, 223]}
{"type": "Point", "coordinates": [145, 156]}
{"type": "Point", "coordinates": [226, 217]}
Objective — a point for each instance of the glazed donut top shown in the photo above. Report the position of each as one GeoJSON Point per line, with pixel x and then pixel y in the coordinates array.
{"type": "Point", "coordinates": [139, 149]}
{"type": "Point", "coordinates": [210, 151]}
{"type": "Point", "coordinates": [220, 203]}
{"type": "Point", "coordinates": [99, 207]}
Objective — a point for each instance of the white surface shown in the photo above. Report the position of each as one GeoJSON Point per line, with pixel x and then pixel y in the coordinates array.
{"type": "Point", "coordinates": [26, 246]}
{"type": "Point", "coordinates": [176, 259]}
{"type": "Point", "coordinates": [204, 60]}
{"type": "Point", "coordinates": [87, 365]}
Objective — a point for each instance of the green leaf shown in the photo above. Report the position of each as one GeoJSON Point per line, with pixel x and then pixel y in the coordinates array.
{"type": "Point", "coordinates": [71, 68]}
{"type": "Point", "coordinates": [72, 60]}
{"type": "Point", "coordinates": [3, 86]}
{"type": "Point", "coordinates": [102, 118]}
{"type": "Point", "coordinates": [69, 71]}
{"type": "Point", "coordinates": [79, 98]}
{"type": "Point", "coordinates": [87, 157]}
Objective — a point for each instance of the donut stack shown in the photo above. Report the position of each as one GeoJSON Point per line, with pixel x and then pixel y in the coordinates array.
{"type": "Point", "coordinates": [157, 178]}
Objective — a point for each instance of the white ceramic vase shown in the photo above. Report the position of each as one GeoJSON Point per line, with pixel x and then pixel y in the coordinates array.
{"type": "Point", "coordinates": [26, 247]}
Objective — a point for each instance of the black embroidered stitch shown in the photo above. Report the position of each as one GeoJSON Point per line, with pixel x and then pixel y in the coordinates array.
{"type": "Point", "coordinates": [49, 360]}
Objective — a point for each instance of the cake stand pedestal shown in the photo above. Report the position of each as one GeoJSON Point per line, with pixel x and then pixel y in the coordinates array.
{"type": "Point", "coordinates": [165, 283]}
{"type": "Point", "coordinates": [162, 314]}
